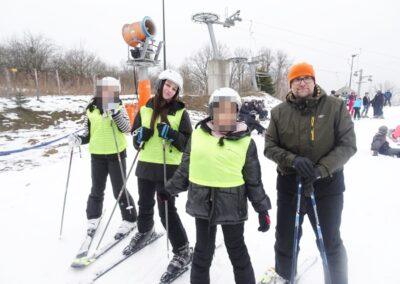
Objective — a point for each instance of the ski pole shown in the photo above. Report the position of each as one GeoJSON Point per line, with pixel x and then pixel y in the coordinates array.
{"type": "Point", "coordinates": [66, 190]}
{"type": "Point", "coordinates": [296, 232]}
{"type": "Point", "coordinates": [129, 207]}
{"type": "Point", "coordinates": [166, 201]}
{"type": "Point", "coordinates": [320, 239]}
{"type": "Point", "coordinates": [120, 194]}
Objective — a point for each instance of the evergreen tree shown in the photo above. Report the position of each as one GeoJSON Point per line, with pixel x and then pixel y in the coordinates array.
{"type": "Point", "coordinates": [264, 81]}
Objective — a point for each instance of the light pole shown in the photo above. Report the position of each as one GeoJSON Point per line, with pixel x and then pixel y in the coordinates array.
{"type": "Point", "coordinates": [164, 49]}
{"type": "Point", "coordinates": [351, 70]}
{"type": "Point", "coordinates": [360, 79]}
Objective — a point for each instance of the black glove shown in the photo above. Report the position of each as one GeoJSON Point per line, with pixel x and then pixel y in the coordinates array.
{"type": "Point", "coordinates": [163, 195]}
{"type": "Point", "coordinates": [166, 132]}
{"type": "Point", "coordinates": [143, 134]}
{"type": "Point", "coordinates": [304, 167]}
{"type": "Point", "coordinates": [264, 221]}
{"type": "Point", "coordinates": [308, 183]}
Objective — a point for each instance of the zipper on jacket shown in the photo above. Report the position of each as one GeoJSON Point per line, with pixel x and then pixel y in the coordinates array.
{"type": "Point", "coordinates": [212, 210]}
{"type": "Point", "coordinates": [312, 128]}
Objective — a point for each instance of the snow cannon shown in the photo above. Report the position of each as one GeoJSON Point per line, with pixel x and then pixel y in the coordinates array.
{"type": "Point", "coordinates": [138, 32]}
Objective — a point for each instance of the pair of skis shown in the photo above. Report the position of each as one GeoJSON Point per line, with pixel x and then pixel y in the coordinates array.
{"type": "Point", "coordinates": [123, 257]}
{"type": "Point", "coordinates": [167, 277]}
{"type": "Point", "coordinates": [82, 260]}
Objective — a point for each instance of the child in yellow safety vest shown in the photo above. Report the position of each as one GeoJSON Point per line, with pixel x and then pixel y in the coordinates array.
{"type": "Point", "coordinates": [105, 125]}
{"type": "Point", "coordinates": [161, 131]}
{"type": "Point", "coordinates": [221, 170]}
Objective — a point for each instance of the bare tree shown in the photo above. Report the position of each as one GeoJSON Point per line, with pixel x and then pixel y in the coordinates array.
{"type": "Point", "coordinates": [385, 86]}
{"type": "Point", "coordinates": [79, 65]}
{"type": "Point", "coordinates": [30, 52]}
{"type": "Point", "coordinates": [266, 59]}
{"type": "Point", "coordinates": [240, 75]}
{"type": "Point", "coordinates": [196, 67]}
{"type": "Point", "coordinates": [3, 57]}
{"type": "Point", "coordinates": [279, 74]}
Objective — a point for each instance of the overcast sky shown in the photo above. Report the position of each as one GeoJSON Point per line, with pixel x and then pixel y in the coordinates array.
{"type": "Point", "coordinates": [324, 33]}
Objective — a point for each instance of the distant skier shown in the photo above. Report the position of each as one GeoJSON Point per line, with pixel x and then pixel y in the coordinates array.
{"type": "Point", "coordinates": [357, 108]}
{"type": "Point", "coordinates": [388, 97]}
{"type": "Point", "coordinates": [350, 102]}
{"type": "Point", "coordinates": [366, 103]}
{"type": "Point", "coordinates": [104, 114]}
{"type": "Point", "coordinates": [377, 104]}
{"type": "Point", "coordinates": [220, 169]}
{"type": "Point", "coordinates": [248, 116]}
{"type": "Point", "coordinates": [381, 146]}
{"type": "Point", "coordinates": [163, 118]}
{"type": "Point", "coordinates": [310, 135]}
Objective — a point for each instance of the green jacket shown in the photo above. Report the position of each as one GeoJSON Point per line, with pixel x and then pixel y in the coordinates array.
{"type": "Point", "coordinates": [319, 128]}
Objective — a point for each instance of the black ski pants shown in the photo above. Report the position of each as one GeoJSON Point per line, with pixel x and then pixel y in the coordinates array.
{"type": "Point", "coordinates": [147, 190]}
{"type": "Point", "coordinates": [329, 207]}
{"type": "Point", "coordinates": [101, 168]}
{"type": "Point", "coordinates": [204, 252]}
{"type": "Point", "coordinates": [357, 113]}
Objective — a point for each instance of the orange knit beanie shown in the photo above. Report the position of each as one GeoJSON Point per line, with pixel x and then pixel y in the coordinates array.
{"type": "Point", "coordinates": [299, 70]}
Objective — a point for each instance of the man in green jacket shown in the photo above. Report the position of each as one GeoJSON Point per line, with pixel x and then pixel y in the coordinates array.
{"type": "Point", "coordinates": [311, 136]}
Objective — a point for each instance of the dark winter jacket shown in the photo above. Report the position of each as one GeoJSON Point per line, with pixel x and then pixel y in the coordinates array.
{"type": "Point", "coordinates": [153, 171]}
{"type": "Point", "coordinates": [121, 119]}
{"type": "Point", "coordinates": [378, 100]}
{"type": "Point", "coordinates": [319, 128]}
{"type": "Point", "coordinates": [222, 205]}
{"type": "Point", "coordinates": [366, 101]}
{"type": "Point", "coordinates": [380, 144]}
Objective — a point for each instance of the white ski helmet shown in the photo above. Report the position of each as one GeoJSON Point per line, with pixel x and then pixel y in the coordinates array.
{"type": "Point", "coordinates": [110, 82]}
{"type": "Point", "coordinates": [173, 76]}
{"type": "Point", "coordinates": [226, 93]}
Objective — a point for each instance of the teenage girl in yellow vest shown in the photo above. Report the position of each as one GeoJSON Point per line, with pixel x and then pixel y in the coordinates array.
{"type": "Point", "coordinates": [163, 118]}
{"type": "Point", "coordinates": [101, 115]}
{"type": "Point", "coordinates": [221, 170]}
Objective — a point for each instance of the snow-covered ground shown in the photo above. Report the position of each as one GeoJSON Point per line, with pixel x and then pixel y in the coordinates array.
{"type": "Point", "coordinates": [31, 204]}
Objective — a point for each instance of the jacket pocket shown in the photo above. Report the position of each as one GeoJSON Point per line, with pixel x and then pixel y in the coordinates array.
{"type": "Point", "coordinates": [198, 203]}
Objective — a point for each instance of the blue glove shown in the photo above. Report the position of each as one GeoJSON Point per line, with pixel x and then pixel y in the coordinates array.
{"type": "Point", "coordinates": [143, 134]}
{"type": "Point", "coordinates": [165, 131]}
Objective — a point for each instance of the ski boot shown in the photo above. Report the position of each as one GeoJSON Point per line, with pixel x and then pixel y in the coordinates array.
{"type": "Point", "coordinates": [179, 264]}
{"type": "Point", "coordinates": [124, 229]}
{"type": "Point", "coordinates": [92, 225]}
{"type": "Point", "coordinates": [271, 277]}
{"type": "Point", "coordinates": [138, 240]}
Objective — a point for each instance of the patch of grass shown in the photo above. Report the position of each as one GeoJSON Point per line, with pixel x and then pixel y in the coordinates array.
{"type": "Point", "coordinates": [28, 119]}
{"type": "Point", "coordinates": [49, 152]}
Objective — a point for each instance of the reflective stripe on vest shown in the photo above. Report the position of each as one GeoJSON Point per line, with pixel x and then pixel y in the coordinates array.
{"type": "Point", "coordinates": [153, 149]}
{"type": "Point", "coordinates": [214, 165]}
{"type": "Point", "coordinates": [101, 135]}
